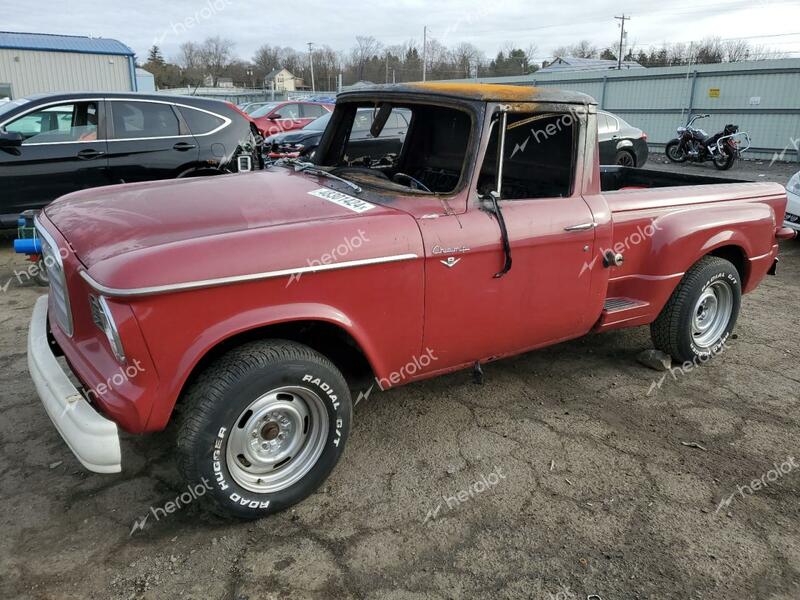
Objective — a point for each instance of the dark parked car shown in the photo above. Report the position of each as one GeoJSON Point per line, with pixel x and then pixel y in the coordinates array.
{"type": "Point", "coordinates": [303, 142]}
{"type": "Point", "coordinates": [54, 144]}
{"type": "Point", "coordinates": [620, 143]}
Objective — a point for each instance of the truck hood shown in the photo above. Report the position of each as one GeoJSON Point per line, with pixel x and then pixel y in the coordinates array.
{"type": "Point", "coordinates": [103, 223]}
{"type": "Point", "coordinates": [156, 235]}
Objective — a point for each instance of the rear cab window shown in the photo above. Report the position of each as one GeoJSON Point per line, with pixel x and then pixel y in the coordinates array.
{"type": "Point", "coordinates": [539, 160]}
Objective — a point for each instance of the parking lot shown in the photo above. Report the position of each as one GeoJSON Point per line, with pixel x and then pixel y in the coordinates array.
{"type": "Point", "coordinates": [573, 472]}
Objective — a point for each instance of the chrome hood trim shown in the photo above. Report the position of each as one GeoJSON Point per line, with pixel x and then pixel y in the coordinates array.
{"type": "Point", "coordinates": [208, 283]}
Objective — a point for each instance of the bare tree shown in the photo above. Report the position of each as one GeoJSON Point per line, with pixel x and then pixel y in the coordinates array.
{"type": "Point", "coordinates": [582, 49]}
{"type": "Point", "coordinates": [216, 54]}
{"type": "Point", "coordinates": [736, 50]}
{"type": "Point", "coordinates": [465, 57]}
{"type": "Point", "coordinates": [190, 59]}
{"type": "Point", "coordinates": [366, 48]}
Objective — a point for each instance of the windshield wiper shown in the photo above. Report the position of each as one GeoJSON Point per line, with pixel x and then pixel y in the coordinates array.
{"type": "Point", "coordinates": [310, 168]}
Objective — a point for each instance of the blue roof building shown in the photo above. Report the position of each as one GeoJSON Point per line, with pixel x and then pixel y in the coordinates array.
{"type": "Point", "coordinates": [33, 63]}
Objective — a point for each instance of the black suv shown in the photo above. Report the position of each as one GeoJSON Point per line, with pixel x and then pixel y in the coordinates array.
{"type": "Point", "coordinates": [54, 144]}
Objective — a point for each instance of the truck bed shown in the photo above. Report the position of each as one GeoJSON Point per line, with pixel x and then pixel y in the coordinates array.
{"type": "Point", "coordinates": [614, 179]}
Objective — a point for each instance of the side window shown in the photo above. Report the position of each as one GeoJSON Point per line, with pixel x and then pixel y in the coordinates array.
{"type": "Point", "coordinates": [64, 123]}
{"type": "Point", "coordinates": [143, 120]}
{"type": "Point", "coordinates": [539, 157]}
{"type": "Point", "coordinates": [613, 123]}
{"type": "Point", "coordinates": [363, 120]}
{"type": "Point", "coordinates": [603, 123]}
{"type": "Point", "coordinates": [395, 122]}
{"type": "Point", "coordinates": [289, 111]}
{"type": "Point", "coordinates": [313, 111]}
{"type": "Point", "coordinates": [200, 122]}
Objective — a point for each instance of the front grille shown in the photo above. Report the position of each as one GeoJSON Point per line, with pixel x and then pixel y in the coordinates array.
{"type": "Point", "coordinates": [53, 263]}
{"type": "Point", "coordinates": [792, 218]}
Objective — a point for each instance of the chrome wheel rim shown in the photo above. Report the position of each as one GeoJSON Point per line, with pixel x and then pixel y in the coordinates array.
{"type": "Point", "coordinates": [277, 439]}
{"type": "Point", "coordinates": [675, 152]}
{"type": "Point", "coordinates": [712, 313]}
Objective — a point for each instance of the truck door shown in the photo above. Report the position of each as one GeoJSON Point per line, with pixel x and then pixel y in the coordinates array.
{"type": "Point", "coordinates": [475, 310]}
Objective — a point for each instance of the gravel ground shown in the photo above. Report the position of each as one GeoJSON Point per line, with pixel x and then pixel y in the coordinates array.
{"type": "Point", "coordinates": [577, 476]}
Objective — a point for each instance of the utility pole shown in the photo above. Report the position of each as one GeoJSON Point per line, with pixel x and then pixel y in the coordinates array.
{"type": "Point", "coordinates": [387, 67]}
{"type": "Point", "coordinates": [311, 60]}
{"type": "Point", "coordinates": [425, 53]}
{"type": "Point", "coordinates": [622, 20]}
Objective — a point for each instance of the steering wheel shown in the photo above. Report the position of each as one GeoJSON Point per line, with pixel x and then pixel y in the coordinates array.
{"type": "Point", "coordinates": [416, 183]}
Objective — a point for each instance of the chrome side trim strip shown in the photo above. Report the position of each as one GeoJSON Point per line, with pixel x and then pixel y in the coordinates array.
{"type": "Point", "coordinates": [207, 283]}
{"type": "Point", "coordinates": [226, 120]}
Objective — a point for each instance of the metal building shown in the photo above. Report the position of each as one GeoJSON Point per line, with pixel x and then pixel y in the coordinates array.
{"type": "Point", "coordinates": [762, 97]}
{"type": "Point", "coordinates": [33, 63]}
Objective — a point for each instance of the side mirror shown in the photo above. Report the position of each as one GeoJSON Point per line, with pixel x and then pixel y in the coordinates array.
{"type": "Point", "coordinates": [274, 117]}
{"type": "Point", "coordinates": [11, 139]}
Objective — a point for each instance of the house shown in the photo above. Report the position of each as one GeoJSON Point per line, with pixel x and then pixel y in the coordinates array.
{"type": "Point", "coordinates": [223, 82]}
{"type": "Point", "coordinates": [568, 64]}
{"type": "Point", "coordinates": [282, 80]}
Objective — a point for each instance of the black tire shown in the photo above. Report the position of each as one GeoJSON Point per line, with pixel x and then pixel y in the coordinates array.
{"type": "Point", "coordinates": [726, 162]}
{"type": "Point", "coordinates": [214, 414]}
{"type": "Point", "coordinates": [625, 158]}
{"type": "Point", "coordinates": [672, 331]}
{"type": "Point", "coordinates": [674, 152]}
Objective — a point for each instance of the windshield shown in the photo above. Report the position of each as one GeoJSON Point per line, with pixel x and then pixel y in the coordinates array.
{"type": "Point", "coordinates": [403, 147]}
{"type": "Point", "coordinates": [318, 124]}
{"type": "Point", "coordinates": [264, 110]}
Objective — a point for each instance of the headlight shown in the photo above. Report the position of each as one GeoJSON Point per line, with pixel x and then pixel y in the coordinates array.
{"type": "Point", "coordinates": [794, 184]}
{"type": "Point", "coordinates": [102, 317]}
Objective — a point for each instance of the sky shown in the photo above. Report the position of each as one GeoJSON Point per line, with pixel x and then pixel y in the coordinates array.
{"type": "Point", "coordinates": [488, 24]}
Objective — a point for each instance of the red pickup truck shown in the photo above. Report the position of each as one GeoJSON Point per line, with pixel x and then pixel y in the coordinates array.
{"type": "Point", "coordinates": [242, 306]}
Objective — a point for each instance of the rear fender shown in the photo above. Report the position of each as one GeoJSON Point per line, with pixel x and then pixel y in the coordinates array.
{"type": "Point", "coordinates": [653, 270]}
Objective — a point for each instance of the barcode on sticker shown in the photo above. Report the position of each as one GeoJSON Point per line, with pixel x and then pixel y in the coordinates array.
{"type": "Point", "coordinates": [344, 200]}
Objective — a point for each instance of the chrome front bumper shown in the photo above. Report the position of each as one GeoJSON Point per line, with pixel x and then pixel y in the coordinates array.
{"type": "Point", "coordinates": [92, 438]}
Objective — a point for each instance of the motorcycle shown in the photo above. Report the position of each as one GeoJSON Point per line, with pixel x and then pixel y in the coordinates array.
{"type": "Point", "coordinates": [695, 145]}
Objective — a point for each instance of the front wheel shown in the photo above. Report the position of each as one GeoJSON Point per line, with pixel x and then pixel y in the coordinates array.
{"type": "Point", "coordinates": [263, 427]}
{"type": "Point", "coordinates": [701, 313]}
{"type": "Point", "coordinates": [674, 151]}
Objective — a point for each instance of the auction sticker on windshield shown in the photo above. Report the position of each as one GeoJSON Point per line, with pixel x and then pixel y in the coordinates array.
{"type": "Point", "coordinates": [344, 200]}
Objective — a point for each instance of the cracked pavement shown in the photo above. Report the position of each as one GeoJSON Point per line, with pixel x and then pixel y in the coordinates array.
{"type": "Point", "coordinates": [600, 495]}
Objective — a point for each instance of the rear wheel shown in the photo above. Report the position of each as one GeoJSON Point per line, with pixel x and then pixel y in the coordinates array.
{"type": "Point", "coordinates": [701, 313]}
{"type": "Point", "coordinates": [674, 152]}
{"type": "Point", "coordinates": [724, 161]}
{"type": "Point", "coordinates": [263, 427]}
{"type": "Point", "coordinates": [625, 159]}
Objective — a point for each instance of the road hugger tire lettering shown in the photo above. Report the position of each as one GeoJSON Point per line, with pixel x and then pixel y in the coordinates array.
{"type": "Point", "coordinates": [266, 423]}
{"type": "Point", "coordinates": [700, 315]}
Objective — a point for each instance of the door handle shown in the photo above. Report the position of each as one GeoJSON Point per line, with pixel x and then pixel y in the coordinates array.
{"type": "Point", "coordinates": [184, 146]}
{"type": "Point", "coordinates": [89, 154]}
{"type": "Point", "coordinates": [581, 227]}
